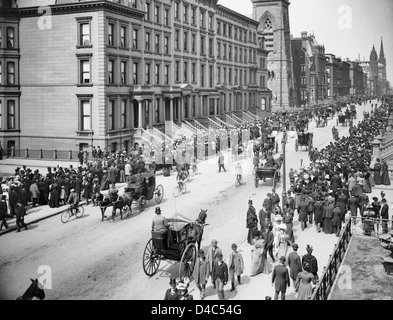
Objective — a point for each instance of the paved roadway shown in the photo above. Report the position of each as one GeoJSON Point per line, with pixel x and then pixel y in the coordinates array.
{"type": "Point", "coordinates": [91, 259]}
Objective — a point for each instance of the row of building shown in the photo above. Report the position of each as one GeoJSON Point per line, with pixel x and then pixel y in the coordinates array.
{"type": "Point", "coordinates": [78, 73]}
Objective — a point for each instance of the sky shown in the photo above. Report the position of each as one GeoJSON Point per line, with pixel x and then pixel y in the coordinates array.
{"type": "Point", "coordinates": [347, 28]}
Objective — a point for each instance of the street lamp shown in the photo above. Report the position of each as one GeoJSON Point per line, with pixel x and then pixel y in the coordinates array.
{"type": "Point", "coordinates": [284, 186]}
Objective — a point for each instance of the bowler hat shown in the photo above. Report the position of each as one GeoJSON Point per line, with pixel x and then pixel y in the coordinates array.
{"type": "Point", "coordinates": [295, 246]}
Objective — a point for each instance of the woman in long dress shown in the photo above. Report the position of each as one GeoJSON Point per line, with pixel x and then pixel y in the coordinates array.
{"type": "Point", "coordinates": [367, 182]}
{"type": "Point", "coordinates": [385, 174]}
{"type": "Point", "coordinates": [298, 193]}
{"type": "Point", "coordinates": [288, 220]}
{"type": "Point", "coordinates": [257, 254]}
{"type": "Point", "coordinates": [377, 172]}
{"type": "Point", "coordinates": [303, 282]}
{"type": "Point", "coordinates": [327, 219]}
{"type": "Point", "coordinates": [283, 243]}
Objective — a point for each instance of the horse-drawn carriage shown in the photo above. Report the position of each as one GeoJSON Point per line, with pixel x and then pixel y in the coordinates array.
{"type": "Point", "coordinates": [141, 187]}
{"type": "Point", "coordinates": [268, 171]}
{"type": "Point", "coordinates": [270, 144]}
{"type": "Point", "coordinates": [343, 119]}
{"type": "Point", "coordinates": [178, 244]}
{"type": "Point", "coordinates": [304, 140]}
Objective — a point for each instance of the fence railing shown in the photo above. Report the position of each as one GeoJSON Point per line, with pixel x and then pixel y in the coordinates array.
{"type": "Point", "coordinates": [329, 274]}
{"type": "Point", "coordinates": [373, 227]}
{"type": "Point", "coordinates": [53, 154]}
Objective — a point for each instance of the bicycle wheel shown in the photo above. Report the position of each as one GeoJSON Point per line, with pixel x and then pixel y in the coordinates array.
{"type": "Point", "coordinates": [184, 188]}
{"type": "Point", "coordinates": [79, 213]}
{"type": "Point", "coordinates": [65, 216]}
{"type": "Point", "coordinates": [176, 191]}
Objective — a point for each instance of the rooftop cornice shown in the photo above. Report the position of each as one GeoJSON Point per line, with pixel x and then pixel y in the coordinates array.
{"type": "Point", "coordinates": [236, 14]}
{"type": "Point", "coordinates": [58, 9]}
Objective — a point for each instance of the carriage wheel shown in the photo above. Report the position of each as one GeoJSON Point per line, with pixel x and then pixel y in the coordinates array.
{"type": "Point", "coordinates": [151, 260]}
{"type": "Point", "coordinates": [141, 203]}
{"type": "Point", "coordinates": [176, 191]}
{"type": "Point", "coordinates": [159, 194]}
{"type": "Point", "coordinates": [296, 145]}
{"type": "Point", "coordinates": [187, 262]}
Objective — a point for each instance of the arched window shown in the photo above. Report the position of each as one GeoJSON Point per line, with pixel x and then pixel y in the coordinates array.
{"type": "Point", "coordinates": [263, 104]}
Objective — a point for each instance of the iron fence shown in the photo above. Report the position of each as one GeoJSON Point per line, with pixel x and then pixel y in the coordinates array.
{"type": "Point", "coordinates": [40, 154]}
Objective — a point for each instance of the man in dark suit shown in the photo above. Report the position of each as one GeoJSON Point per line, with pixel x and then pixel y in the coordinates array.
{"type": "Point", "coordinates": [267, 204]}
{"type": "Point", "coordinates": [262, 216]}
{"type": "Point", "coordinates": [303, 212]}
{"type": "Point", "coordinates": [343, 204]}
{"type": "Point", "coordinates": [3, 212]}
{"type": "Point", "coordinates": [220, 275]}
{"type": "Point", "coordinates": [20, 212]}
{"type": "Point", "coordinates": [280, 279]}
{"type": "Point", "coordinates": [353, 207]}
{"type": "Point", "coordinates": [384, 215]}
{"type": "Point", "coordinates": [294, 263]}
{"type": "Point", "coordinates": [268, 236]}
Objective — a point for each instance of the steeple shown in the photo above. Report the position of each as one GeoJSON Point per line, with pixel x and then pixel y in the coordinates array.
{"type": "Point", "coordinates": [382, 59]}
{"type": "Point", "coordinates": [373, 56]}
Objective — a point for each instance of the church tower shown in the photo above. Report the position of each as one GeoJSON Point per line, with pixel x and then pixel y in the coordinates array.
{"type": "Point", "coordinates": [374, 71]}
{"type": "Point", "coordinates": [273, 17]}
{"type": "Point", "coordinates": [382, 70]}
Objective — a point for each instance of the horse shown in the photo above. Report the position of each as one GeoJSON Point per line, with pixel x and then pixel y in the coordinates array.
{"type": "Point", "coordinates": [33, 291]}
{"type": "Point", "coordinates": [196, 227]}
{"type": "Point", "coordinates": [117, 202]}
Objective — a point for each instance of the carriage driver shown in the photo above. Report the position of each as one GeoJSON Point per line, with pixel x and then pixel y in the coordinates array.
{"type": "Point", "coordinates": [160, 224]}
{"type": "Point", "coordinates": [73, 201]}
{"type": "Point", "coordinates": [270, 160]}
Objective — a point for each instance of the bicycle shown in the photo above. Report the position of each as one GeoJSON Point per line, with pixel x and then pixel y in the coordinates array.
{"type": "Point", "coordinates": [66, 215]}
{"type": "Point", "coordinates": [180, 188]}
{"type": "Point", "coordinates": [238, 180]}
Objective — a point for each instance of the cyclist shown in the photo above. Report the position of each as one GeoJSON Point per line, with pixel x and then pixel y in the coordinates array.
{"type": "Point", "coordinates": [181, 177]}
{"type": "Point", "coordinates": [238, 171]}
{"type": "Point", "coordinates": [73, 201]}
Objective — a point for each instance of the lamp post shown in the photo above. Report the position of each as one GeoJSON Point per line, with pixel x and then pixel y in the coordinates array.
{"type": "Point", "coordinates": [284, 185]}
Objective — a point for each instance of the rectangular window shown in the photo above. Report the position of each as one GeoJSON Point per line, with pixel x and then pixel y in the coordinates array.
{"type": "Point", "coordinates": [235, 81]}
{"type": "Point", "coordinates": [225, 51]}
{"type": "Point", "coordinates": [185, 13]}
{"type": "Point", "coordinates": [230, 31]}
{"type": "Point", "coordinates": [147, 73]}
{"type": "Point", "coordinates": [1, 73]}
{"type": "Point", "coordinates": [224, 29]}
{"type": "Point", "coordinates": [303, 68]}
{"type": "Point", "coordinates": [211, 46]}
{"type": "Point", "coordinates": [11, 73]}
{"type": "Point", "coordinates": [202, 75]}
{"type": "Point", "coordinates": [157, 43]}
{"type": "Point", "coordinates": [111, 68]}
{"type": "Point", "coordinates": [166, 17]}
{"type": "Point", "coordinates": [177, 40]}
{"type": "Point", "coordinates": [123, 36]}
{"type": "Point", "coordinates": [193, 16]}
{"type": "Point", "coordinates": [166, 45]}
{"type": "Point", "coordinates": [230, 52]}
{"type": "Point", "coordinates": [123, 114]}
{"type": "Point", "coordinates": [177, 71]}
{"type": "Point", "coordinates": [177, 10]}
{"type": "Point", "coordinates": [10, 37]}
{"type": "Point", "coordinates": [202, 45]}
{"type": "Point", "coordinates": [185, 41]}
{"type": "Point", "coordinates": [135, 39]}
{"type": "Point", "coordinates": [225, 75]}
{"type": "Point", "coordinates": [218, 27]}
{"type": "Point", "coordinates": [210, 22]}
{"type": "Point", "coordinates": [193, 72]}
{"type": "Point", "coordinates": [84, 71]}
{"type": "Point", "coordinates": [1, 36]}
{"type": "Point", "coordinates": [211, 74]}
{"type": "Point", "coordinates": [157, 14]}
{"type": "Point", "coordinates": [230, 75]}
{"type": "Point", "coordinates": [111, 28]}
{"type": "Point", "coordinates": [11, 114]}
{"type": "Point", "coordinates": [219, 50]}
{"type": "Point", "coordinates": [1, 115]}
{"type": "Point", "coordinates": [135, 68]}
{"type": "Point", "coordinates": [241, 77]}
{"type": "Point", "coordinates": [147, 41]}
{"type": "Point", "coordinates": [84, 34]}
{"type": "Point", "coordinates": [85, 115]}
{"type": "Point", "coordinates": [202, 25]}
{"type": "Point", "coordinates": [166, 74]}
{"type": "Point", "coordinates": [111, 115]}
{"type": "Point", "coordinates": [123, 72]}
{"type": "Point", "coordinates": [157, 111]}
{"type": "Point", "coordinates": [185, 72]}
{"type": "Point", "coordinates": [245, 76]}
{"type": "Point", "coordinates": [218, 75]}
{"type": "Point", "coordinates": [157, 74]}
{"type": "Point", "coordinates": [303, 80]}
{"type": "Point", "coordinates": [147, 16]}
{"type": "Point", "coordinates": [193, 44]}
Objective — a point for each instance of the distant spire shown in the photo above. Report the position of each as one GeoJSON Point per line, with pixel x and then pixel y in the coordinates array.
{"type": "Point", "coordinates": [373, 55]}
{"type": "Point", "coordinates": [382, 59]}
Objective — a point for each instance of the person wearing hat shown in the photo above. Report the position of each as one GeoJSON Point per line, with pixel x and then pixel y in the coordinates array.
{"type": "Point", "coordinates": [3, 212]}
{"type": "Point", "coordinates": [220, 275]}
{"type": "Point", "coordinates": [384, 215]}
{"type": "Point", "coordinates": [303, 212]}
{"type": "Point", "coordinates": [212, 252]}
{"type": "Point", "coordinates": [235, 265]}
{"type": "Point", "coordinates": [20, 212]}
{"type": "Point", "coordinates": [172, 293]}
{"type": "Point", "coordinates": [312, 261]}
{"type": "Point", "coordinates": [303, 282]}
{"type": "Point", "coordinates": [336, 219]}
{"type": "Point", "coordinates": [251, 222]}
{"type": "Point", "coordinates": [201, 273]}
{"type": "Point", "coordinates": [182, 289]}
{"type": "Point", "coordinates": [385, 174]}
{"type": "Point", "coordinates": [280, 279]}
{"type": "Point", "coordinates": [294, 263]}
{"type": "Point", "coordinates": [73, 201]}
{"type": "Point", "coordinates": [275, 198]}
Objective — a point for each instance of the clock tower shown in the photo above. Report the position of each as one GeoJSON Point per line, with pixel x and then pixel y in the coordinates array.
{"type": "Point", "coordinates": [273, 17]}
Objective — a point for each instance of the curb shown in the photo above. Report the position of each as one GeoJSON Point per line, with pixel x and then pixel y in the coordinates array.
{"type": "Point", "coordinates": [13, 228]}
